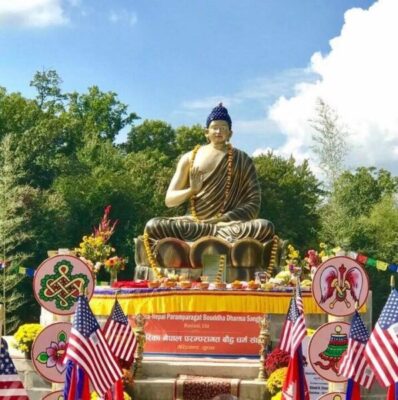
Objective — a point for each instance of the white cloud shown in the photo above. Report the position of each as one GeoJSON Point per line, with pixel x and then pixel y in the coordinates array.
{"type": "Point", "coordinates": [261, 89]}
{"type": "Point", "coordinates": [359, 79]}
{"type": "Point", "coordinates": [123, 16]}
{"type": "Point", "coordinates": [31, 13]}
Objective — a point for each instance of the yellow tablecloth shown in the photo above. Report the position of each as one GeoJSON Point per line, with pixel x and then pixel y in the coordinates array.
{"type": "Point", "coordinates": [201, 301]}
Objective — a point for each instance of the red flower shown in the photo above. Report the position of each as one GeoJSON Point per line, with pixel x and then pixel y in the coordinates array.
{"type": "Point", "coordinates": [275, 360]}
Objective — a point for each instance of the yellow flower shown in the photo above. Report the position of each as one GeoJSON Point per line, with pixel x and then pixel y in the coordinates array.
{"type": "Point", "coordinates": [310, 331]}
{"type": "Point", "coordinates": [275, 381]}
{"type": "Point", "coordinates": [25, 336]}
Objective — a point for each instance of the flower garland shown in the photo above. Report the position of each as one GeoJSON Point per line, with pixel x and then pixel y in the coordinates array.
{"type": "Point", "coordinates": [230, 155]}
{"type": "Point", "coordinates": [221, 266]}
{"type": "Point", "coordinates": [192, 201]}
{"type": "Point", "coordinates": [274, 251]}
{"type": "Point", "coordinates": [150, 256]}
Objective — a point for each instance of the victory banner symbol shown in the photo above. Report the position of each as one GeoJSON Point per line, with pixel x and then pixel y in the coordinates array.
{"type": "Point", "coordinates": [339, 284]}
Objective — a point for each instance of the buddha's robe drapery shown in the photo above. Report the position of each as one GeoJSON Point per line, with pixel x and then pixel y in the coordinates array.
{"type": "Point", "coordinates": [242, 207]}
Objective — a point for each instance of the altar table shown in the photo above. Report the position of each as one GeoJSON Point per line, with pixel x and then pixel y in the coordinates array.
{"type": "Point", "coordinates": [160, 301]}
{"type": "Point", "coordinates": [202, 322]}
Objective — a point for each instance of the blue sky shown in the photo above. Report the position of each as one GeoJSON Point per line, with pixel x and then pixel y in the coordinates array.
{"type": "Point", "coordinates": [174, 60]}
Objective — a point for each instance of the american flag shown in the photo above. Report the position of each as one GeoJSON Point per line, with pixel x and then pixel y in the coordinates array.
{"type": "Point", "coordinates": [353, 363]}
{"type": "Point", "coordinates": [120, 335]}
{"type": "Point", "coordinates": [11, 387]}
{"type": "Point", "coordinates": [299, 299]}
{"type": "Point", "coordinates": [382, 348]}
{"type": "Point", "coordinates": [88, 348]}
{"type": "Point", "coordinates": [294, 329]}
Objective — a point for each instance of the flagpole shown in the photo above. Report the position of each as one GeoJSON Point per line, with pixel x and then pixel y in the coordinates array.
{"type": "Point", "coordinates": [392, 282]}
{"type": "Point", "coordinates": [4, 290]}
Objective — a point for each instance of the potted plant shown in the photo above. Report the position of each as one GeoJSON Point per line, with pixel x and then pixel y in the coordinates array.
{"type": "Point", "coordinates": [25, 336]}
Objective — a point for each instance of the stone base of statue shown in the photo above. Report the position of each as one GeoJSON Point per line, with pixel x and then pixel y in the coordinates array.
{"type": "Point", "coordinates": [244, 257]}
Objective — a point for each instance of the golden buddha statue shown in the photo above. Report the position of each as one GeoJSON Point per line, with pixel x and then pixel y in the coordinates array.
{"type": "Point", "coordinates": [220, 183]}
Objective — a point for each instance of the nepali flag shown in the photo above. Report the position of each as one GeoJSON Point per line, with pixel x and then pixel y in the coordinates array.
{"type": "Point", "coordinates": [392, 393]}
{"type": "Point", "coordinates": [77, 386]}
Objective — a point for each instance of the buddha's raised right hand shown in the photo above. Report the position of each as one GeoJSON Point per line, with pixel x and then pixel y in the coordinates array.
{"type": "Point", "coordinates": [196, 180]}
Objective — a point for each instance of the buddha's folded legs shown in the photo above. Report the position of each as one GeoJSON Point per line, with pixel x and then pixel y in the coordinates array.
{"type": "Point", "coordinates": [259, 229]}
{"type": "Point", "coordinates": [180, 228]}
{"type": "Point", "coordinates": [189, 230]}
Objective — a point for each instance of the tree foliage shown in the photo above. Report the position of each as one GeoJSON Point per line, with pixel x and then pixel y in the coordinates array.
{"type": "Point", "coordinates": [187, 137]}
{"type": "Point", "coordinates": [290, 196]}
{"type": "Point", "coordinates": [362, 215]}
{"type": "Point", "coordinates": [15, 216]}
{"type": "Point", "coordinates": [60, 166]}
{"type": "Point", "coordinates": [329, 142]}
{"type": "Point", "coordinates": [152, 135]}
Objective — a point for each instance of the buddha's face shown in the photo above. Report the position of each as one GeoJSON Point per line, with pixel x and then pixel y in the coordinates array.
{"type": "Point", "coordinates": [218, 132]}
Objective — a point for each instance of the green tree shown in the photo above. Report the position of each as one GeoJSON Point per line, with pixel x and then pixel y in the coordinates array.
{"type": "Point", "coordinates": [290, 196]}
{"type": "Point", "coordinates": [14, 234]}
{"type": "Point", "coordinates": [187, 137]}
{"type": "Point", "coordinates": [100, 113]}
{"type": "Point", "coordinates": [376, 236]}
{"type": "Point", "coordinates": [362, 215]}
{"type": "Point", "coordinates": [17, 114]}
{"type": "Point", "coordinates": [354, 195]}
{"type": "Point", "coordinates": [152, 135]}
{"type": "Point", "coordinates": [329, 142]}
{"type": "Point", "coordinates": [48, 86]}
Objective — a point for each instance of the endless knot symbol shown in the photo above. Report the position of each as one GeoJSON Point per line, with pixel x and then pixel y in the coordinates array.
{"type": "Point", "coordinates": [63, 288]}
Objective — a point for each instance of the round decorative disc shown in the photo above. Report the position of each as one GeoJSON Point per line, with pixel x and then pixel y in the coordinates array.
{"type": "Point", "coordinates": [59, 280]}
{"type": "Point", "coordinates": [59, 395]}
{"type": "Point", "coordinates": [48, 351]}
{"type": "Point", "coordinates": [338, 284]}
{"type": "Point", "coordinates": [326, 349]}
{"type": "Point", "coordinates": [333, 396]}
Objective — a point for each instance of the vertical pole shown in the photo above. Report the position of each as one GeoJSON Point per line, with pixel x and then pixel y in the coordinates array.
{"type": "Point", "coordinates": [263, 339]}
{"type": "Point", "coordinates": [4, 291]}
{"type": "Point", "coordinates": [140, 334]}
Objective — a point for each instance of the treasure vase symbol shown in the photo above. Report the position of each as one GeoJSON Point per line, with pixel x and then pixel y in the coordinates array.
{"type": "Point", "coordinates": [63, 287]}
{"type": "Point", "coordinates": [331, 356]}
{"type": "Point", "coordinates": [337, 283]}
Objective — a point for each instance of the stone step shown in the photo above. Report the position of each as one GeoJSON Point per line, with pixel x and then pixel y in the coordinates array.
{"type": "Point", "coordinates": [163, 389]}
{"type": "Point", "coordinates": [171, 368]}
{"type": "Point", "coordinates": [29, 376]}
{"type": "Point", "coordinates": [38, 394]}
